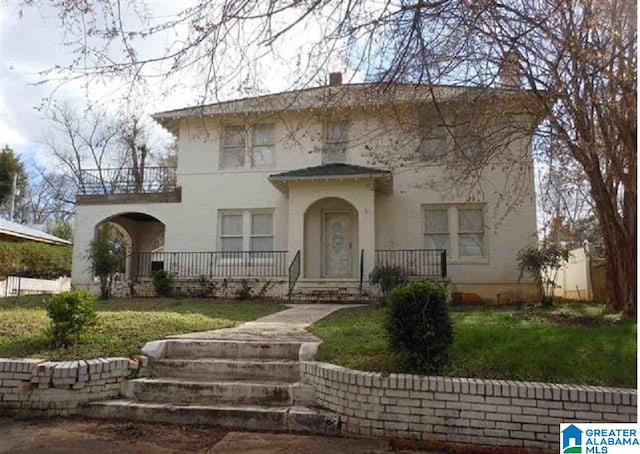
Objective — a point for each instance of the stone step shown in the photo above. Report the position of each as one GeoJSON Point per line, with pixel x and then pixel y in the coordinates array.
{"type": "Point", "coordinates": [183, 391]}
{"type": "Point", "coordinates": [207, 369]}
{"type": "Point", "coordinates": [190, 348]}
{"type": "Point", "coordinates": [298, 419]}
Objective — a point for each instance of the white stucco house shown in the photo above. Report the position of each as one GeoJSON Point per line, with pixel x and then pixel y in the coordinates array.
{"type": "Point", "coordinates": [311, 189]}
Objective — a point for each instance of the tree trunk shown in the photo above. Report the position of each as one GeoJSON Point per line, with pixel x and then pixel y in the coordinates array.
{"type": "Point", "coordinates": [620, 235]}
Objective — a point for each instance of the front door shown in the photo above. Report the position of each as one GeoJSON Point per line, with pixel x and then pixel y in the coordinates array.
{"type": "Point", "coordinates": [337, 244]}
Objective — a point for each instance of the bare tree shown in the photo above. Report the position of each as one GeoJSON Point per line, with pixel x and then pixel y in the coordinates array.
{"type": "Point", "coordinates": [577, 58]}
{"type": "Point", "coordinates": [86, 140]}
{"type": "Point", "coordinates": [48, 198]}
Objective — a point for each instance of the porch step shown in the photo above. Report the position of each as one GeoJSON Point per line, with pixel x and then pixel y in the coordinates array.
{"type": "Point", "coordinates": [228, 369]}
{"type": "Point", "coordinates": [334, 295]}
{"type": "Point", "coordinates": [298, 419]}
{"type": "Point", "coordinates": [184, 391]}
{"type": "Point", "coordinates": [190, 348]}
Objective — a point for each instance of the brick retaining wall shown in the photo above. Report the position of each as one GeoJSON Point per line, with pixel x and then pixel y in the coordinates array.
{"type": "Point", "coordinates": [462, 411]}
{"type": "Point", "coordinates": [57, 388]}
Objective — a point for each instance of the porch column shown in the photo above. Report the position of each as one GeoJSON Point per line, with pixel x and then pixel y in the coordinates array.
{"type": "Point", "coordinates": [366, 231]}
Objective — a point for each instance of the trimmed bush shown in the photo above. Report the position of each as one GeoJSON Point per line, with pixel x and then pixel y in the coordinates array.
{"type": "Point", "coordinates": [163, 283]}
{"type": "Point", "coordinates": [419, 326]}
{"type": "Point", "coordinates": [388, 276]}
{"type": "Point", "coordinates": [37, 260]}
{"type": "Point", "coordinates": [70, 313]}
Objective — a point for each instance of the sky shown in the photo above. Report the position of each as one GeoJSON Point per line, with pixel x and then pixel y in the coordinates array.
{"type": "Point", "coordinates": [32, 42]}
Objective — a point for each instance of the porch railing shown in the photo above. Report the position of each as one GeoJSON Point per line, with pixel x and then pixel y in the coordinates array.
{"type": "Point", "coordinates": [294, 273]}
{"type": "Point", "coordinates": [210, 264]}
{"type": "Point", "coordinates": [127, 180]}
{"type": "Point", "coordinates": [425, 263]}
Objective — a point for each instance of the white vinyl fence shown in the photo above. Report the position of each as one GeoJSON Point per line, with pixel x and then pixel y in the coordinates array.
{"type": "Point", "coordinates": [18, 286]}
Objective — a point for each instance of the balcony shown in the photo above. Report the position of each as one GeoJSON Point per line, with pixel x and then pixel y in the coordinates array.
{"type": "Point", "coordinates": [126, 185]}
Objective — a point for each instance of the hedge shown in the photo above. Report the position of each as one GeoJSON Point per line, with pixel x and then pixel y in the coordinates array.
{"type": "Point", "coordinates": [37, 260]}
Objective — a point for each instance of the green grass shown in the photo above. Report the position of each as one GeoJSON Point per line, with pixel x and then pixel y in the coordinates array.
{"type": "Point", "coordinates": [572, 343]}
{"type": "Point", "coordinates": [123, 325]}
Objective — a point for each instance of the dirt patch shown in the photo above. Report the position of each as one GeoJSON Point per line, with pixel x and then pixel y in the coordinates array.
{"type": "Point", "coordinates": [76, 436]}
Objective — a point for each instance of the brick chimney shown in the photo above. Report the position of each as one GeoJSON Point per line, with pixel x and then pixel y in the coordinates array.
{"type": "Point", "coordinates": [335, 79]}
{"type": "Point", "coordinates": [509, 72]}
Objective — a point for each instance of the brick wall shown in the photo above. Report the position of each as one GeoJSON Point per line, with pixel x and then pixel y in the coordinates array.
{"type": "Point", "coordinates": [463, 411]}
{"type": "Point", "coordinates": [57, 388]}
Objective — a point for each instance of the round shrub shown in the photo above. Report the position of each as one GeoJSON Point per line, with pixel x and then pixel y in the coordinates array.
{"type": "Point", "coordinates": [419, 326]}
{"type": "Point", "coordinates": [163, 283]}
{"type": "Point", "coordinates": [70, 313]}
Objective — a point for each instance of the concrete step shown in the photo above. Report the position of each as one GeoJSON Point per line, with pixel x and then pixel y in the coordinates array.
{"type": "Point", "coordinates": [207, 369]}
{"type": "Point", "coordinates": [183, 391]}
{"type": "Point", "coordinates": [190, 348]}
{"type": "Point", "coordinates": [298, 419]}
{"type": "Point", "coordinates": [333, 295]}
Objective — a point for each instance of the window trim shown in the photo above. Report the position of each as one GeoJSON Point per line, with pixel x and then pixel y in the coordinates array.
{"type": "Point", "coordinates": [248, 161]}
{"type": "Point", "coordinates": [453, 256]}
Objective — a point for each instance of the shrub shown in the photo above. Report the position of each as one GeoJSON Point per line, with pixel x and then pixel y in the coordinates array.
{"type": "Point", "coordinates": [542, 263]}
{"type": "Point", "coordinates": [163, 283]}
{"type": "Point", "coordinates": [245, 292]}
{"type": "Point", "coordinates": [70, 314]}
{"type": "Point", "coordinates": [388, 276]}
{"type": "Point", "coordinates": [419, 326]}
{"type": "Point", "coordinates": [28, 259]}
{"type": "Point", "coordinates": [107, 256]}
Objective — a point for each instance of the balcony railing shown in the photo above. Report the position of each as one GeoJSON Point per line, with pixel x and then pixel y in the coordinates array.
{"type": "Point", "coordinates": [424, 263]}
{"type": "Point", "coordinates": [210, 264]}
{"type": "Point", "coordinates": [126, 180]}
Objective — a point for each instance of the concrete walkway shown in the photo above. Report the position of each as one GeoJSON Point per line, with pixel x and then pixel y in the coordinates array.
{"type": "Point", "coordinates": [288, 325]}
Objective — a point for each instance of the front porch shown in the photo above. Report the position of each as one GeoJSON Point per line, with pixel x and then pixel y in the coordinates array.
{"type": "Point", "coordinates": [272, 271]}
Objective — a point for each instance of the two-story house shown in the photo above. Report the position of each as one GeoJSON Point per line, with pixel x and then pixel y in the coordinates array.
{"type": "Point", "coordinates": [309, 190]}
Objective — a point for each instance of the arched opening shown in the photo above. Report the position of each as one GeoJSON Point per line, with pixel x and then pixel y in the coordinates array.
{"type": "Point", "coordinates": [143, 236]}
{"type": "Point", "coordinates": [331, 240]}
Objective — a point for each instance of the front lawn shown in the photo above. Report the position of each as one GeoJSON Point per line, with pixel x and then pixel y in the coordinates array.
{"type": "Point", "coordinates": [570, 343]}
{"type": "Point", "coordinates": [123, 325]}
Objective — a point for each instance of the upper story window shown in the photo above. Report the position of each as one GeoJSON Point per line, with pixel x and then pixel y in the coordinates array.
{"type": "Point", "coordinates": [433, 141]}
{"type": "Point", "coordinates": [457, 228]}
{"type": "Point", "coordinates": [336, 141]}
{"type": "Point", "coordinates": [263, 146]}
{"type": "Point", "coordinates": [238, 152]}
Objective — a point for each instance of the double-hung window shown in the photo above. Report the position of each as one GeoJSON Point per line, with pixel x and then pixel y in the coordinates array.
{"type": "Point", "coordinates": [261, 232]}
{"type": "Point", "coordinates": [457, 228]}
{"type": "Point", "coordinates": [336, 142]}
{"type": "Point", "coordinates": [436, 229]}
{"type": "Point", "coordinates": [433, 141]}
{"type": "Point", "coordinates": [247, 146]}
{"type": "Point", "coordinates": [231, 227]}
{"type": "Point", "coordinates": [245, 230]}
{"type": "Point", "coordinates": [470, 232]}
{"type": "Point", "coordinates": [233, 147]}
{"type": "Point", "coordinates": [262, 146]}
